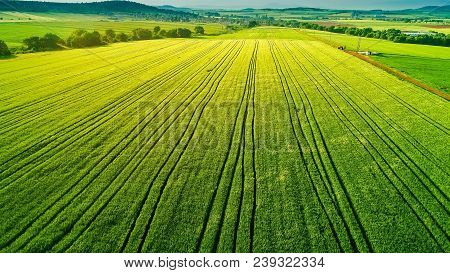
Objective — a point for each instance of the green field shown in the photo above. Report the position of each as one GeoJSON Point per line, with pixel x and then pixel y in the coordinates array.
{"type": "Point", "coordinates": [13, 33]}
{"type": "Point", "coordinates": [19, 17]}
{"type": "Point", "coordinates": [432, 71]}
{"type": "Point", "coordinates": [429, 64]}
{"type": "Point", "coordinates": [381, 25]}
{"type": "Point", "coordinates": [219, 145]}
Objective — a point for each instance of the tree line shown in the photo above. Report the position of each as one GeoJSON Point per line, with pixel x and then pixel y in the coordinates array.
{"type": "Point", "coordinates": [395, 35]}
{"type": "Point", "coordinates": [82, 38]}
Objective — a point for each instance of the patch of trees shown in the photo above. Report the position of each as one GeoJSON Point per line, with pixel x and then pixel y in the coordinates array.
{"type": "Point", "coordinates": [140, 34]}
{"type": "Point", "coordinates": [122, 37]}
{"type": "Point", "coordinates": [395, 35]}
{"type": "Point", "coordinates": [199, 30]}
{"type": "Point", "coordinates": [253, 24]}
{"type": "Point", "coordinates": [48, 42]}
{"type": "Point", "coordinates": [179, 33]}
{"type": "Point", "coordinates": [4, 50]}
{"type": "Point", "coordinates": [81, 38]}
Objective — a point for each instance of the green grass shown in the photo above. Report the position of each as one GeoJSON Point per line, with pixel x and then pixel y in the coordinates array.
{"type": "Point", "coordinates": [432, 71]}
{"type": "Point", "coordinates": [429, 64]}
{"type": "Point", "coordinates": [227, 145]}
{"type": "Point", "coordinates": [382, 46]}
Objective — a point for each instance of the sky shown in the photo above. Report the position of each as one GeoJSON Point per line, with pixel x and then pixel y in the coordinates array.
{"type": "Point", "coordinates": [337, 4]}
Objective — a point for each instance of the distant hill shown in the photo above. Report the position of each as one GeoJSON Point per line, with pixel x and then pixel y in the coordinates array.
{"type": "Point", "coordinates": [435, 9]}
{"type": "Point", "coordinates": [305, 9]}
{"type": "Point", "coordinates": [169, 7]}
{"type": "Point", "coordinates": [107, 7]}
{"type": "Point", "coordinates": [424, 10]}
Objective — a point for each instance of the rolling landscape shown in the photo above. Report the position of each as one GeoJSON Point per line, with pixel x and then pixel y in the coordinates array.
{"type": "Point", "coordinates": [133, 128]}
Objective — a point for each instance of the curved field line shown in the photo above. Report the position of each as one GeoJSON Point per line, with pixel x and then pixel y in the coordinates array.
{"type": "Point", "coordinates": [252, 90]}
{"type": "Point", "coordinates": [216, 82]}
{"type": "Point", "coordinates": [128, 98]}
{"type": "Point", "coordinates": [131, 158]}
{"type": "Point", "coordinates": [80, 74]}
{"type": "Point", "coordinates": [253, 214]}
{"type": "Point", "coordinates": [139, 164]}
{"type": "Point", "coordinates": [184, 83]}
{"type": "Point", "coordinates": [385, 162]}
{"type": "Point", "coordinates": [336, 173]}
{"type": "Point", "coordinates": [376, 110]}
{"type": "Point", "coordinates": [86, 54]}
{"type": "Point", "coordinates": [105, 83]}
{"type": "Point", "coordinates": [308, 170]}
{"type": "Point", "coordinates": [221, 173]}
{"type": "Point", "coordinates": [400, 130]}
{"type": "Point", "coordinates": [112, 106]}
{"type": "Point", "coordinates": [347, 98]}
{"type": "Point", "coordinates": [87, 72]}
{"type": "Point", "coordinates": [389, 146]}
{"type": "Point", "coordinates": [411, 108]}
{"type": "Point", "coordinates": [241, 147]}
{"type": "Point", "coordinates": [326, 180]}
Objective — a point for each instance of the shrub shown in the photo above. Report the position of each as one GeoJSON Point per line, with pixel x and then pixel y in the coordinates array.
{"type": "Point", "coordinates": [184, 33]}
{"type": "Point", "coordinates": [110, 36]}
{"type": "Point", "coordinates": [199, 30]}
{"type": "Point", "coordinates": [179, 33]}
{"type": "Point", "coordinates": [49, 41]}
{"type": "Point", "coordinates": [82, 38]}
{"type": "Point", "coordinates": [172, 33]}
{"type": "Point", "coordinates": [122, 37]}
{"type": "Point", "coordinates": [142, 34]}
{"type": "Point", "coordinates": [252, 24]}
{"type": "Point", "coordinates": [4, 50]}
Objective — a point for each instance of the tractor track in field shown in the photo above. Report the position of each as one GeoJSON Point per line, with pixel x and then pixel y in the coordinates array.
{"type": "Point", "coordinates": [92, 70]}
{"type": "Point", "coordinates": [107, 118]}
{"type": "Point", "coordinates": [139, 164]}
{"type": "Point", "coordinates": [86, 54]}
{"type": "Point", "coordinates": [184, 83]}
{"type": "Point", "coordinates": [335, 171]}
{"type": "Point", "coordinates": [319, 164]}
{"type": "Point", "coordinates": [117, 163]}
{"type": "Point", "coordinates": [331, 195]}
{"type": "Point", "coordinates": [254, 180]}
{"type": "Point", "coordinates": [206, 83]}
{"type": "Point", "coordinates": [63, 104]}
{"type": "Point", "coordinates": [131, 158]}
{"type": "Point", "coordinates": [83, 83]}
{"type": "Point", "coordinates": [161, 192]}
{"type": "Point", "coordinates": [314, 125]}
{"type": "Point", "coordinates": [80, 84]}
{"type": "Point", "coordinates": [400, 130]}
{"type": "Point", "coordinates": [376, 133]}
{"type": "Point", "coordinates": [408, 106]}
{"type": "Point", "coordinates": [104, 84]}
{"type": "Point", "coordinates": [111, 106]}
{"type": "Point", "coordinates": [252, 86]}
{"type": "Point", "coordinates": [380, 167]}
{"type": "Point", "coordinates": [400, 150]}
{"type": "Point", "coordinates": [239, 157]}
{"type": "Point", "coordinates": [388, 146]}
{"type": "Point", "coordinates": [220, 177]}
